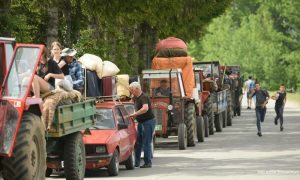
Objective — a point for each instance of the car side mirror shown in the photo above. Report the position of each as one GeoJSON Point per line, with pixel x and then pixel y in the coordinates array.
{"type": "Point", "coordinates": [122, 126]}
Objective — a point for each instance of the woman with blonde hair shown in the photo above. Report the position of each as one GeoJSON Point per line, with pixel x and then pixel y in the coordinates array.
{"type": "Point", "coordinates": [56, 49]}
{"type": "Point", "coordinates": [47, 72]}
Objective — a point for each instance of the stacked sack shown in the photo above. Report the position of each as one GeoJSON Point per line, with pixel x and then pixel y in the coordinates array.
{"type": "Point", "coordinates": [102, 68]}
{"type": "Point", "coordinates": [107, 82]}
{"type": "Point", "coordinates": [171, 53]}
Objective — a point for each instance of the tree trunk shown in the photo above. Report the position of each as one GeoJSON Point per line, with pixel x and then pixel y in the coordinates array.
{"type": "Point", "coordinates": [52, 28]}
{"type": "Point", "coordinates": [4, 14]}
{"type": "Point", "coordinates": [147, 41]}
{"type": "Point", "coordinates": [67, 13]}
{"type": "Point", "coordinates": [77, 22]}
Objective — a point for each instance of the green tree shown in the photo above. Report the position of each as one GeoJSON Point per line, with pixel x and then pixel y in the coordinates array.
{"type": "Point", "coordinates": [261, 36]}
{"type": "Point", "coordinates": [124, 32]}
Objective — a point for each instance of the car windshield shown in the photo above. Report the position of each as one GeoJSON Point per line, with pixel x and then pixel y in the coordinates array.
{"type": "Point", "coordinates": [104, 119]}
{"type": "Point", "coordinates": [21, 71]}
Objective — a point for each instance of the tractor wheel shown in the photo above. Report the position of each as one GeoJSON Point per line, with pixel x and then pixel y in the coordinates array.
{"type": "Point", "coordinates": [29, 154]}
{"type": "Point", "coordinates": [113, 167]}
{"type": "Point", "coordinates": [190, 122]}
{"type": "Point", "coordinates": [219, 122]}
{"type": "Point", "coordinates": [210, 114]}
{"type": "Point", "coordinates": [200, 129]}
{"type": "Point", "coordinates": [239, 110]}
{"type": "Point", "coordinates": [48, 172]}
{"type": "Point", "coordinates": [206, 126]}
{"type": "Point", "coordinates": [224, 118]}
{"type": "Point", "coordinates": [74, 156]}
{"type": "Point", "coordinates": [182, 136]}
{"type": "Point", "coordinates": [229, 109]}
{"type": "Point", "coordinates": [129, 163]}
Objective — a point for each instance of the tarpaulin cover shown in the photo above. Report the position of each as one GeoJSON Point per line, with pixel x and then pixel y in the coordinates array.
{"type": "Point", "coordinates": [183, 63]}
{"type": "Point", "coordinates": [171, 42]}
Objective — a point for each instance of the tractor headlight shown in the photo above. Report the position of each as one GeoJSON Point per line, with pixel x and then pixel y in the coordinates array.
{"type": "Point", "coordinates": [170, 107]}
{"type": "Point", "coordinates": [100, 149]}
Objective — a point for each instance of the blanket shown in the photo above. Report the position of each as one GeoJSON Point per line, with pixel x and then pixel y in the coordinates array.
{"type": "Point", "coordinates": [54, 99]}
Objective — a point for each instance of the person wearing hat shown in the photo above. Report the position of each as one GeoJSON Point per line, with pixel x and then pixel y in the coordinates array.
{"type": "Point", "coordinates": [75, 69]}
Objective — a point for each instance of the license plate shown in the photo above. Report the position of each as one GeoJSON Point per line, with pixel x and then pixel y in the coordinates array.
{"type": "Point", "coordinates": [158, 127]}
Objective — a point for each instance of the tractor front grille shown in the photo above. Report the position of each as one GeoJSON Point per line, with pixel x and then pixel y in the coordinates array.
{"type": "Point", "coordinates": [158, 113]}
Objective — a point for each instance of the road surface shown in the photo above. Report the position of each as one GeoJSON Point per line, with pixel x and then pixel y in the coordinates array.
{"type": "Point", "coordinates": [236, 153]}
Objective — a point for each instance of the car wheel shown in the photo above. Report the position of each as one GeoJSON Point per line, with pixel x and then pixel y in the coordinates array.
{"type": "Point", "coordinates": [129, 163]}
{"type": "Point", "coordinates": [113, 167]}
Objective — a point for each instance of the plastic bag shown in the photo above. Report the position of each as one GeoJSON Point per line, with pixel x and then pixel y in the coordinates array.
{"type": "Point", "coordinates": [66, 83]}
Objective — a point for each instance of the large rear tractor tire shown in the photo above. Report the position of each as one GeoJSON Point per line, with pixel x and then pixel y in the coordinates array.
{"type": "Point", "coordinates": [224, 118]}
{"type": "Point", "coordinates": [219, 122]}
{"type": "Point", "coordinates": [74, 157]}
{"type": "Point", "coordinates": [239, 110]}
{"type": "Point", "coordinates": [208, 111]}
{"type": "Point", "coordinates": [206, 126]}
{"type": "Point", "coordinates": [229, 109]}
{"type": "Point", "coordinates": [200, 129]}
{"type": "Point", "coordinates": [182, 136]}
{"type": "Point", "coordinates": [29, 154]}
{"type": "Point", "coordinates": [190, 122]}
{"type": "Point", "coordinates": [49, 172]}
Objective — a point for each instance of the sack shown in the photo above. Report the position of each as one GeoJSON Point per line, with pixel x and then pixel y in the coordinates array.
{"type": "Point", "coordinates": [92, 63]}
{"type": "Point", "coordinates": [123, 85]}
{"type": "Point", "coordinates": [109, 69]}
{"type": "Point", "coordinates": [66, 83]}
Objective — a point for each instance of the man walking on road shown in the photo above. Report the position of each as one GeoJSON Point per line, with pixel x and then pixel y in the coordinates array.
{"type": "Point", "coordinates": [280, 98]}
{"type": "Point", "coordinates": [262, 97]}
{"type": "Point", "coordinates": [146, 124]}
{"type": "Point", "coordinates": [248, 87]}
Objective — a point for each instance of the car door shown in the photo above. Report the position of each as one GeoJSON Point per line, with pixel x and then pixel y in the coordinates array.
{"type": "Point", "coordinates": [123, 133]}
{"type": "Point", "coordinates": [131, 127]}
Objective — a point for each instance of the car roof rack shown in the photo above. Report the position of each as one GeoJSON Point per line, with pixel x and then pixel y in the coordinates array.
{"type": "Point", "coordinates": [113, 98]}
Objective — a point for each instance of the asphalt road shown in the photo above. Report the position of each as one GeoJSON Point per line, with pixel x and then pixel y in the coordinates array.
{"type": "Point", "coordinates": [236, 153]}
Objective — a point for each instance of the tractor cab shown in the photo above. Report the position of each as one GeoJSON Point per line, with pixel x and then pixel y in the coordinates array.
{"type": "Point", "coordinates": [211, 75]}
{"type": "Point", "coordinates": [166, 91]}
{"type": "Point", "coordinates": [14, 92]}
{"type": "Point", "coordinates": [6, 50]}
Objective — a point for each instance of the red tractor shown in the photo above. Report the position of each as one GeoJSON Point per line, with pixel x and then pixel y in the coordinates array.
{"type": "Point", "coordinates": [174, 97]}
{"type": "Point", "coordinates": [23, 148]}
{"type": "Point", "coordinates": [216, 104]}
{"type": "Point", "coordinates": [234, 80]}
{"type": "Point", "coordinates": [175, 112]}
{"type": "Point", "coordinates": [205, 105]}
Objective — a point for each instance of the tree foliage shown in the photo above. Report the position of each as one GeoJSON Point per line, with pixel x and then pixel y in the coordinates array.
{"type": "Point", "coordinates": [124, 32]}
{"type": "Point", "coordinates": [261, 36]}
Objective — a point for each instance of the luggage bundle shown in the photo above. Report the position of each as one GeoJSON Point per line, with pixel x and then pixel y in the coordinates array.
{"type": "Point", "coordinates": [171, 47]}
{"type": "Point", "coordinates": [102, 78]}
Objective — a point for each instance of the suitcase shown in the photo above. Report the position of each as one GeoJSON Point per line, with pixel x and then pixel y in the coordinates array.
{"type": "Point", "coordinates": [109, 85]}
{"type": "Point", "coordinates": [93, 84]}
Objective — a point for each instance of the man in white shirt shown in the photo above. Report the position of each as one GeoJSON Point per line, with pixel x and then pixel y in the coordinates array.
{"type": "Point", "coordinates": [248, 87]}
